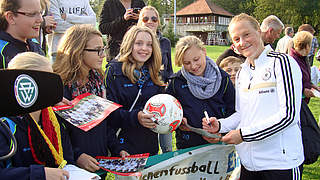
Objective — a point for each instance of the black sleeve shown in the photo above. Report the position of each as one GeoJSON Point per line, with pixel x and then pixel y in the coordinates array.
{"type": "Point", "coordinates": [111, 18]}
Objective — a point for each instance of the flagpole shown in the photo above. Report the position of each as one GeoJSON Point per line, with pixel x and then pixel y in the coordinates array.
{"type": "Point", "coordinates": [175, 17]}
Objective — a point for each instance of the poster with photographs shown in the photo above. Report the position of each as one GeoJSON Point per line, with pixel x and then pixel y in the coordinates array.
{"type": "Point", "coordinates": [87, 111]}
{"type": "Point", "coordinates": [130, 166]}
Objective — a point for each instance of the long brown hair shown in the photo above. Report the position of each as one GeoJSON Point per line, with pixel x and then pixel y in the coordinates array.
{"type": "Point", "coordinates": [7, 5]}
{"type": "Point", "coordinates": [129, 64]}
{"type": "Point", "coordinates": [69, 63]}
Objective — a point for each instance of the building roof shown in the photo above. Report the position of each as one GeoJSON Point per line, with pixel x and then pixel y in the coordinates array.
{"type": "Point", "coordinates": [203, 7]}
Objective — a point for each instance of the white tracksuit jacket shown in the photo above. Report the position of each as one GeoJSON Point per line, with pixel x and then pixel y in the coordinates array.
{"type": "Point", "coordinates": [268, 99]}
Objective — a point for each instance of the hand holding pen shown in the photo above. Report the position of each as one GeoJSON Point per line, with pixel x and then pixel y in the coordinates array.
{"type": "Point", "coordinates": [210, 124]}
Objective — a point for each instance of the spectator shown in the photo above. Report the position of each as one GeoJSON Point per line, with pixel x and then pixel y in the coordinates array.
{"type": "Point", "coordinates": [20, 22]}
{"type": "Point", "coordinates": [271, 28]}
{"type": "Point", "coordinates": [282, 45]}
{"type": "Point", "coordinates": [79, 59]}
{"type": "Point", "coordinates": [130, 81]}
{"type": "Point", "coordinates": [265, 126]}
{"type": "Point", "coordinates": [199, 86]}
{"type": "Point", "coordinates": [68, 13]}
{"type": "Point", "coordinates": [116, 17]}
{"type": "Point", "coordinates": [313, 50]}
{"type": "Point", "coordinates": [230, 52]}
{"type": "Point", "coordinates": [302, 42]}
{"type": "Point", "coordinates": [150, 18]}
{"type": "Point", "coordinates": [43, 143]}
{"type": "Point", "coordinates": [231, 65]}
{"type": "Point", "coordinates": [47, 26]}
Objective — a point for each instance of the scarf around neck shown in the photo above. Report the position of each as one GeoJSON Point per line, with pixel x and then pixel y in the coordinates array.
{"type": "Point", "coordinates": [94, 85]}
{"type": "Point", "coordinates": [204, 87]}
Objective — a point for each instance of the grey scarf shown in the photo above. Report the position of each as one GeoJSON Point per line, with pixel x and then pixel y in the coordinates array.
{"type": "Point", "coordinates": [204, 87]}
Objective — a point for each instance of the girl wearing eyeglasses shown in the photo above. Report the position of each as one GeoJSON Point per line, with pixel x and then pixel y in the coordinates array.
{"type": "Point", "coordinates": [149, 17]}
{"type": "Point", "coordinates": [79, 59]}
{"type": "Point", "coordinates": [130, 81]}
{"type": "Point", "coordinates": [20, 22]}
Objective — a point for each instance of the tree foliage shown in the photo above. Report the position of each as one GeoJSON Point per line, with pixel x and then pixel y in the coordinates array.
{"type": "Point", "coordinates": [291, 12]}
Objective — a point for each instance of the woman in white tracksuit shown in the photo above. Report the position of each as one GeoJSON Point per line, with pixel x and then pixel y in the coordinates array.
{"type": "Point", "coordinates": [68, 13]}
{"type": "Point", "coordinates": [265, 126]}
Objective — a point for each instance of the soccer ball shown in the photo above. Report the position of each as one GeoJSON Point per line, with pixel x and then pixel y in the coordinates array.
{"type": "Point", "coordinates": [167, 112]}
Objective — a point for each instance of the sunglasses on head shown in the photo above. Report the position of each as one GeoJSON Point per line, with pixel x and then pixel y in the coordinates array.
{"type": "Point", "coordinates": [153, 19]}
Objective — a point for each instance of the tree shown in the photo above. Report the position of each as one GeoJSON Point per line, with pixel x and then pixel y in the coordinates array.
{"type": "Point", "coordinates": [96, 5]}
{"type": "Point", "coordinates": [293, 12]}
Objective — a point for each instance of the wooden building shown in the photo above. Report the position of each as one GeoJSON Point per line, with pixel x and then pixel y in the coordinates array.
{"type": "Point", "coordinates": [205, 20]}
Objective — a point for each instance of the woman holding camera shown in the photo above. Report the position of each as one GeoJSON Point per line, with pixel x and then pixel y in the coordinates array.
{"type": "Point", "coordinates": [115, 19]}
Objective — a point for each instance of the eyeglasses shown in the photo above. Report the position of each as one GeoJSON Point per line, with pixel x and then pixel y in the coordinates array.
{"type": "Point", "coordinates": [153, 19]}
{"type": "Point", "coordinates": [34, 14]}
{"type": "Point", "coordinates": [100, 51]}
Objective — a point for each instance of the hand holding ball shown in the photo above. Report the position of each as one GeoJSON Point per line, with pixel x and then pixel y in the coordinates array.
{"type": "Point", "coordinates": [167, 113]}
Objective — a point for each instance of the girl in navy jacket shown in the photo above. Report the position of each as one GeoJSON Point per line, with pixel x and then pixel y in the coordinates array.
{"type": "Point", "coordinates": [199, 86]}
{"type": "Point", "coordinates": [43, 145]}
{"type": "Point", "coordinates": [80, 71]}
{"type": "Point", "coordinates": [130, 81]}
{"type": "Point", "coordinates": [149, 16]}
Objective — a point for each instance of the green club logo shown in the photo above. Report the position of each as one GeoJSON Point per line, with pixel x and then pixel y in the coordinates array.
{"type": "Point", "coordinates": [25, 90]}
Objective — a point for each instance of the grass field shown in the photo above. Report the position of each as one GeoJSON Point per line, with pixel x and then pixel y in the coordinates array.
{"type": "Point", "coordinates": [311, 172]}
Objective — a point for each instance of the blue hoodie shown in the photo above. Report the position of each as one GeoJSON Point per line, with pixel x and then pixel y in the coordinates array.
{"type": "Point", "coordinates": [10, 47]}
{"type": "Point", "coordinates": [22, 166]}
{"type": "Point", "coordinates": [136, 138]}
{"type": "Point", "coordinates": [221, 105]}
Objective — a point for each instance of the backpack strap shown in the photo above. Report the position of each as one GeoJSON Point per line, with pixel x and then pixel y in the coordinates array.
{"type": "Point", "coordinates": [13, 128]}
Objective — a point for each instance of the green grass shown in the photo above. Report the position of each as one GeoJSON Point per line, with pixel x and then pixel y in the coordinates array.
{"type": "Point", "coordinates": [310, 172]}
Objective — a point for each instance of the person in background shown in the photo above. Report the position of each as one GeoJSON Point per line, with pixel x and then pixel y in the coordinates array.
{"type": "Point", "coordinates": [199, 86]}
{"type": "Point", "coordinates": [271, 28]}
{"type": "Point", "coordinates": [47, 26]}
{"type": "Point", "coordinates": [68, 13]}
{"type": "Point", "coordinates": [314, 46]}
{"type": "Point", "coordinates": [43, 144]}
{"type": "Point", "coordinates": [116, 17]}
{"type": "Point", "coordinates": [230, 52]}
{"type": "Point", "coordinates": [149, 17]}
{"type": "Point", "coordinates": [20, 22]}
{"type": "Point", "coordinates": [266, 125]}
{"type": "Point", "coordinates": [131, 81]}
{"type": "Point", "coordinates": [79, 59]}
{"type": "Point", "coordinates": [231, 65]}
{"type": "Point", "coordinates": [282, 45]}
{"type": "Point", "coordinates": [302, 43]}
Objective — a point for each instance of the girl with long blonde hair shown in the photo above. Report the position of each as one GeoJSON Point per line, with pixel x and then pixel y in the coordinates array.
{"type": "Point", "coordinates": [130, 81]}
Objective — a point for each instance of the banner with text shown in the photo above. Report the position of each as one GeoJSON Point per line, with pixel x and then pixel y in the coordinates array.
{"type": "Point", "coordinates": [214, 162]}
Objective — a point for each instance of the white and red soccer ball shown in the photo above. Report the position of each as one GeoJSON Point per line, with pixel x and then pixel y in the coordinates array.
{"type": "Point", "coordinates": [167, 112]}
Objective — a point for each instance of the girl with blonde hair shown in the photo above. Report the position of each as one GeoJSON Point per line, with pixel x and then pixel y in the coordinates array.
{"type": "Point", "coordinates": [130, 81]}
{"type": "Point", "coordinates": [44, 146]}
{"type": "Point", "coordinates": [78, 62]}
{"type": "Point", "coordinates": [149, 17]}
{"type": "Point", "coordinates": [199, 86]}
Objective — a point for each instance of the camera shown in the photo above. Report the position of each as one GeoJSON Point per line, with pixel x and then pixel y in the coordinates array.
{"type": "Point", "coordinates": [136, 10]}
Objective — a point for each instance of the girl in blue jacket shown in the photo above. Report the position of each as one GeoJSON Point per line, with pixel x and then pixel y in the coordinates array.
{"type": "Point", "coordinates": [149, 17]}
{"type": "Point", "coordinates": [130, 81]}
{"type": "Point", "coordinates": [200, 86]}
{"type": "Point", "coordinates": [43, 145]}
{"type": "Point", "coordinates": [80, 71]}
